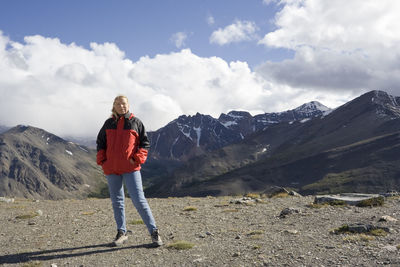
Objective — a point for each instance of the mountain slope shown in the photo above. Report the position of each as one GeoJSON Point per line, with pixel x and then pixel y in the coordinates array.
{"type": "Point", "coordinates": [293, 148]}
{"type": "Point", "coordinates": [37, 164]}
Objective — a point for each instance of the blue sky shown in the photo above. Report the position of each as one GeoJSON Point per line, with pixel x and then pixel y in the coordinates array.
{"type": "Point", "coordinates": [68, 59]}
{"type": "Point", "coordinates": [142, 28]}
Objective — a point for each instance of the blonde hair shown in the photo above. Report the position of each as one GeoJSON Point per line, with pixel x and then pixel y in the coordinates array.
{"type": "Point", "coordinates": [113, 111]}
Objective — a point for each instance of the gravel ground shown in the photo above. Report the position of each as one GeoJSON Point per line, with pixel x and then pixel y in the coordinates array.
{"type": "Point", "coordinates": [78, 233]}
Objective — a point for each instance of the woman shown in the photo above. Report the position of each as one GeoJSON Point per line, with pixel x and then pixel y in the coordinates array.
{"type": "Point", "coordinates": [122, 146]}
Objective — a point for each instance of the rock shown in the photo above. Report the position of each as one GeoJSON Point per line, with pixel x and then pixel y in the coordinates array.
{"type": "Point", "coordinates": [291, 231]}
{"type": "Point", "coordinates": [243, 200]}
{"type": "Point", "coordinates": [364, 228]}
{"type": "Point", "coordinates": [390, 194]}
{"type": "Point", "coordinates": [6, 200]}
{"type": "Point", "coordinates": [387, 218]}
{"type": "Point", "coordinates": [348, 198]}
{"type": "Point", "coordinates": [294, 193]}
{"type": "Point", "coordinates": [390, 248]}
{"type": "Point", "coordinates": [288, 211]}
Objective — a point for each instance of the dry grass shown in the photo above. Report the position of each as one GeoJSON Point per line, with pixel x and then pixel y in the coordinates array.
{"type": "Point", "coordinates": [279, 195]}
{"type": "Point", "coordinates": [358, 237]}
{"type": "Point", "coordinates": [88, 212]}
{"type": "Point", "coordinates": [230, 210]}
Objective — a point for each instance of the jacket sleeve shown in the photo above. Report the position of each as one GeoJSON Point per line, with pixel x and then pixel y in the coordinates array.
{"type": "Point", "coordinates": [144, 144]}
{"type": "Point", "coordinates": [101, 146]}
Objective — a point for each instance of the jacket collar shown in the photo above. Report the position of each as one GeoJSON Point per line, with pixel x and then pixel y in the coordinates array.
{"type": "Point", "coordinates": [127, 115]}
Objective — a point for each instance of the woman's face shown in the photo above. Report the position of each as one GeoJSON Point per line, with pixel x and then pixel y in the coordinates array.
{"type": "Point", "coordinates": [121, 105]}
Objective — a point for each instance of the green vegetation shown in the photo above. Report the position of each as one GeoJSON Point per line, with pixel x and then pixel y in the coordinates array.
{"type": "Point", "coordinates": [345, 229]}
{"type": "Point", "coordinates": [136, 222]}
{"type": "Point", "coordinates": [378, 232]}
{"type": "Point", "coordinates": [189, 208]}
{"type": "Point", "coordinates": [181, 245]}
{"type": "Point", "coordinates": [100, 192]}
{"type": "Point", "coordinates": [372, 202]}
{"type": "Point", "coordinates": [27, 216]}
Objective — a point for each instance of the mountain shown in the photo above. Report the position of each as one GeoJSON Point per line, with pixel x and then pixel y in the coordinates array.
{"type": "Point", "coordinates": [193, 136]}
{"type": "Point", "coordinates": [3, 129]}
{"type": "Point", "coordinates": [344, 149]}
{"type": "Point", "coordinates": [189, 136]}
{"type": "Point", "coordinates": [38, 164]}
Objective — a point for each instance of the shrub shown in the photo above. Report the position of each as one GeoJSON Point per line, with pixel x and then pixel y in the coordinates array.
{"type": "Point", "coordinates": [372, 202]}
{"type": "Point", "coordinates": [378, 232]}
{"type": "Point", "coordinates": [136, 222]}
{"type": "Point", "coordinates": [27, 216]}
{"type": "Point", "coordinates": [190, 208]}
{"type": "Point", "coordinates": [181, 245]}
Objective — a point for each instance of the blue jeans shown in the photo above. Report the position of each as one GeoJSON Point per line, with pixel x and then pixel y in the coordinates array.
{"type": "Point", "coordinates": [133, 181]}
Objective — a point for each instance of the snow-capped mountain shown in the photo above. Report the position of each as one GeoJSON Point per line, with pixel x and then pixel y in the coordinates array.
{"type": "Point", "coordinates": [189, 136]}
{"type": "Point", "coordinates": [354, 148]}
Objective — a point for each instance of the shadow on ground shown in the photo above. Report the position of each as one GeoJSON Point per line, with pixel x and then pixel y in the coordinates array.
{"type": "Point", "coordinates": [62, 253]}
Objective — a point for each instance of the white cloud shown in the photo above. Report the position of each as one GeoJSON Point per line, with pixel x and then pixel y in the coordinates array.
{"type": "Point", "coordinates": [179, 39]}
{"type": "Point", "coordinates": [339, 45]}
{"type": "Point", "coordinates": [210, 20]}
{"type": "Point", "coordinates": [237, 32]}
{"type": "Point", "coordinates": [68, 90]}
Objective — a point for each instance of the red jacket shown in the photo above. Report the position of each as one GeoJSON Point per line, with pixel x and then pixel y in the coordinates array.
{"type": "Point", "coordinates": [120, 140]}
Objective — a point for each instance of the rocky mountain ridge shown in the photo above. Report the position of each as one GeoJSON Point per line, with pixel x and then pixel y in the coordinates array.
{"type": "Point", "coordinates": [353, 148]}
{"type": "Point", "coordinates": [189, 136]}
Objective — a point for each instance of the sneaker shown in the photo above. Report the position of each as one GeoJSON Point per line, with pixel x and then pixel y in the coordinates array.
{"type": "Point", "coordinates": [156, 239]}
{"type": "Point", "coordinates": [120, 238]}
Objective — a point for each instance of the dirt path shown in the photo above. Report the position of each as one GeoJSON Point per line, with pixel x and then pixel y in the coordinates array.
{"type": "Point", "coordinates": [77, 233]}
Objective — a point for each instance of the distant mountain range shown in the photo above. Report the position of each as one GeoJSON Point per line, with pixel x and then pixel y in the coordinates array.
{"type": "Point", "coordinates": [189, 136]}
{"type": "Point", "coordinates": [352, 148]}
{"type": "Point", "coordinates": [312, 149]}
